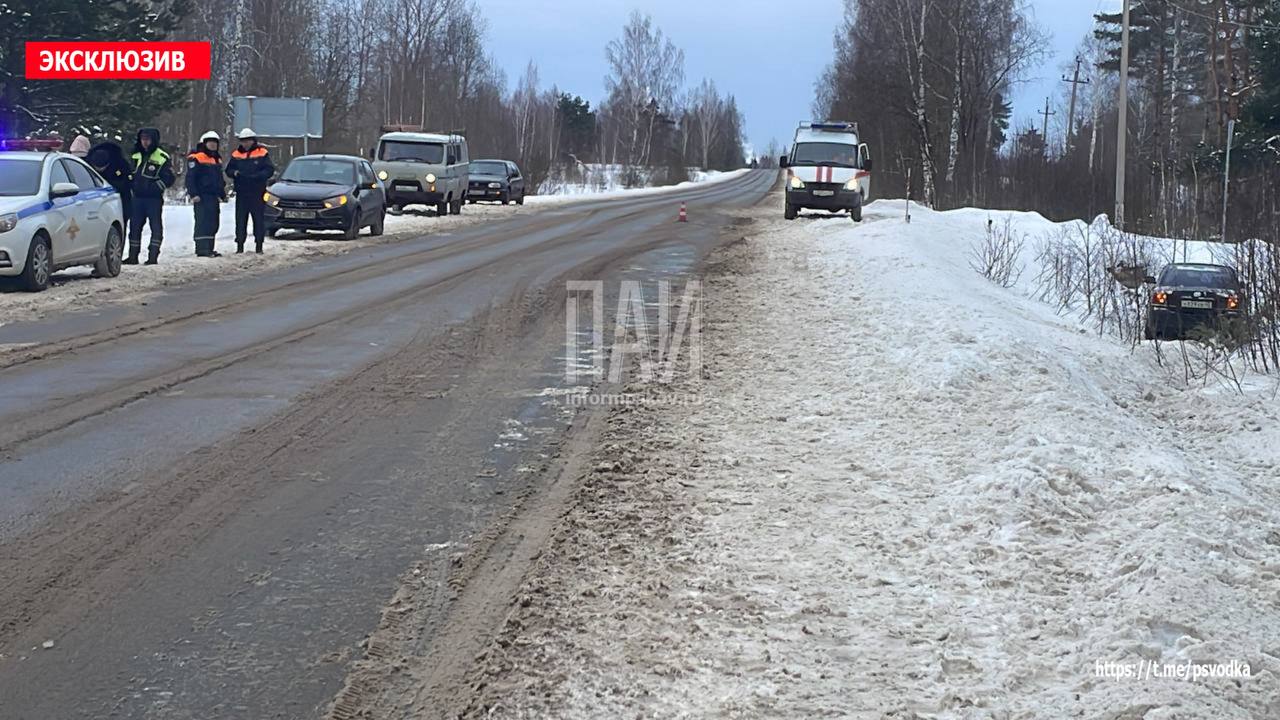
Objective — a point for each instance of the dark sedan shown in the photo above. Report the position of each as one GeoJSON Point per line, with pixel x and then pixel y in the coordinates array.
{"type": "Point", "coordinates": [327, 192]}
{"type": "Point", "coordinates": [496, 180]}
{"type": "Point", "coordinates": [1193, 296]}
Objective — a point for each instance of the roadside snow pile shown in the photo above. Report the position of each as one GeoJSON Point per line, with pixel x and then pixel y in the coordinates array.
{"type": "Point", "coordinates": [908, 493]}
{"type": "Point", "coordinates": [597, 178]}
{"type": "Point", "coordinates": [545, 200]}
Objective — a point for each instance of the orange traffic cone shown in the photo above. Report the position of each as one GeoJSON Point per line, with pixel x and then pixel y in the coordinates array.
{"type": "Point", "coordinates": [684, 214]}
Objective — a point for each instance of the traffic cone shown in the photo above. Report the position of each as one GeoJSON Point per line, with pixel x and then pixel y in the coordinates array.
{"type": "Point", "coordinates": [684, 214]}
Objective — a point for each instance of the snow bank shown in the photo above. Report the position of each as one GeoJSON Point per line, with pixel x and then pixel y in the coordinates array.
{"type": "Point", "coordinates": [907, 493]}
{"type": "Point", "coordinates": [544, 200]}
{"type": "Point", "coordinates": [596, 179]}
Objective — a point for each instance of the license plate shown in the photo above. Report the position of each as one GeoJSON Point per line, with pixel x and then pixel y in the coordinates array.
{"type": "Point", "coordinates": [1198, 304]}
{"type": "Point", "coordinates": [824, 193]}
{"type": "Point", "coordinates": [407, 188]}
{"type": "Point", "coordinates": [300, 214]}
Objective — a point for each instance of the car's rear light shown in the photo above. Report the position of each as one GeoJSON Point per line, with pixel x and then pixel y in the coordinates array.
{"type": "Point", "coordinates": [1160, 297]}
{"type": "Point", "coordinates": [1233, 302]}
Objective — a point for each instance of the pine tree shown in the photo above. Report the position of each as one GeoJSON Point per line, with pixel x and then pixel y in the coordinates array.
{"type": "Point", "coordinates": [116, 106]}
{"type": "Point", "coordinates": [1263, 111]}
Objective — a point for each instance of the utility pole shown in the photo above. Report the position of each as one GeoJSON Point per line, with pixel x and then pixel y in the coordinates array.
{"type": "Point", "coordinates": [1233, 107]}
{"type": "Point", "coordinates": [1044, 133]}
{"type": "Point", "coordinates": [1076, 82]}
{"type": "Point", "coordinates": [1122, 131]}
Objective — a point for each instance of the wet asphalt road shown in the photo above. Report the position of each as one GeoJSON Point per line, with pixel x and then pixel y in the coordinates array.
{"type": "Point", "coordinates": [206, 502]}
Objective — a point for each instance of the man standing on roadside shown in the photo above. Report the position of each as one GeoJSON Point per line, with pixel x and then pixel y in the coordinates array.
{"type": "Point", "coordinates": [250, 170]}
{"type": "Point", "coordinates": [152, 175]}
{"type": "Point", "coordinates": [207, 190]}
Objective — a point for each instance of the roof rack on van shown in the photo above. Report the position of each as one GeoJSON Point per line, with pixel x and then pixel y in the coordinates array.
{"type": "Point", "coordinates": [836, 125]}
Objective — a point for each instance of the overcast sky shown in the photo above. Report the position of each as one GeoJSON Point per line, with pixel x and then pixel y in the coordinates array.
{"type": "Point", "coordinates": [768, 53]}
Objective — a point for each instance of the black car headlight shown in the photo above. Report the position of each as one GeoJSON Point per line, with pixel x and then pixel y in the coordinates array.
{"type": "Point", "coordinates": [335, 202]}
{"type": "Point", "coordinates": [495, 185]}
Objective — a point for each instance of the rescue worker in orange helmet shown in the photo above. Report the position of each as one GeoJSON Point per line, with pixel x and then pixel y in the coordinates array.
{"type": "Point", "coordinates": [250, 170]}
{"type": "Point", "coordinates": [207, 190]}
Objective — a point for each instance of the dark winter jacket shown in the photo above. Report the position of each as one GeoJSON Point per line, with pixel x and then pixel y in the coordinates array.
{"type": "Point", "coordinates": [250, 170]}
{"type": "Point", "coordinates": [204, 174]}
{"type": "Point", "coordinates": [152, 171]}
{"type": "Point", "coordinates": [109, 160]}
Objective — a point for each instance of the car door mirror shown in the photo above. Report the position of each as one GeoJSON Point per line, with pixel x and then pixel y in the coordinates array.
{"type": "Point", "coordinates": [372, 153]}
{"type": "Point", "coordinates": [1149, 280]}
{"type": "Point", "coordinates": [782, 161]}
{"type": "Point", "coordinates": [64, 189]}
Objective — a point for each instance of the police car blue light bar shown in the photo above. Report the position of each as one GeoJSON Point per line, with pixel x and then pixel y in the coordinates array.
{"type": "Point", "coordinates": [30, 145]}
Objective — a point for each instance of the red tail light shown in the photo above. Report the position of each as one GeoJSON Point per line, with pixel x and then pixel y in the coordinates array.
{"type": "Point", "coordinates": [1159, 297]}
{"type": "Point", "coordinates": [1233, 302]}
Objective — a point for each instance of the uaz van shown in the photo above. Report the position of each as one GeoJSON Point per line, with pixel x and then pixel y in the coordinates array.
{"type": "Point", "coordinates": [423, 168]}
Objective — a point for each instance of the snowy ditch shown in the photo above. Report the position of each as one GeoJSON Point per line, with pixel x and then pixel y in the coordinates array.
{"type": "Point", "coordinates": [912, 493]}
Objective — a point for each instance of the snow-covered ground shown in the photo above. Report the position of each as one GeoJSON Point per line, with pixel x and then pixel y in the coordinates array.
{"type": "Point", "coordinates": [76, 288]}
{"type": "Point", "coordinates": [620, 192]}
{"type": "Point", "coordinates": [596, 178]}
{"type": "Point", "coordinates": [907, 493]}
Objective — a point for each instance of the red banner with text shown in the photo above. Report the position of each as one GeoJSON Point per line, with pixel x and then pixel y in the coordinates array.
{"type": "Point", "coordinates": [118, 60]}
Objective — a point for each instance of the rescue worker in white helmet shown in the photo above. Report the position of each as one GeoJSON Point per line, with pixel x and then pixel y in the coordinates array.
{"type": "Point", "coordinates": [207, 191]}
{"type": "Point", "coordinates": [250, 170]}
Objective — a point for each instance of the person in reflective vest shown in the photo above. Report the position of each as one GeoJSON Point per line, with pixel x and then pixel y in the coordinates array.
{"type": "Point", "coordinates": [207, 191]}
{"type": "Point", "coordinates": [152, 175]}
{"type": "Point", "coordinates": [250, 170]}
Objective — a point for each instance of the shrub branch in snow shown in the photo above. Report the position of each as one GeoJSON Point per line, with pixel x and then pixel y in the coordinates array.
{"type": "Point", "coordinates": [997, 255]}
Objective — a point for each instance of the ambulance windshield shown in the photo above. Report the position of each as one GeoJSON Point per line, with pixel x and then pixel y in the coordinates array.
{"type": "Point", "coordinates": [825, 153]}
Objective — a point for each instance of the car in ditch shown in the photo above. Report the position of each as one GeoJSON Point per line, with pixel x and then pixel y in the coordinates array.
{"type": "Point", "coordinates": [327, 192]}
{"type": "Point", "coordinates": [424, 169]}
{"type": "Point", "coordinates": [496, 181]}
{"type": "Point", "coordinates": [55, 212]}
{"type": "Point", "coordinates": [1191, 298]}
{"type": "Point", "coordinates": [828, 168]}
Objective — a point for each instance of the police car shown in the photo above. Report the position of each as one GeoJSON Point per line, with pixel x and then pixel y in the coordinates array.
{"type": "Point", "coordinates": [55, 212]}
{"type": "Point", "coordinates": [827, 169]}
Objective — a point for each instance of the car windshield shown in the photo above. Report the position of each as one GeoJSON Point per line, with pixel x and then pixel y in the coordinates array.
{"type": "Point", "coordinates": [401, 151]}
{"type": "Point", "coordinates": [19, 177]}
{"type": "Point", "coordinates": [824, 153]}
{"type": "Point", "coordinates": [489, 168]}
{"type": "Point", "coordinates": [332, 172]}
{"type": "Point", "coordinates": [1209, 277]}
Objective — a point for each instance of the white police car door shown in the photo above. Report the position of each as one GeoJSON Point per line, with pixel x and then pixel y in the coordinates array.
{"type": "Point", "coordinates": [60, 218]}
{"type": "Point", "coordinates": [91, 220]}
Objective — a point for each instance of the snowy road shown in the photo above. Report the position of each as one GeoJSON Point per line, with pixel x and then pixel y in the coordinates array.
{"type": "Point", "coordinates": [207, 498]}
{"type": "Point", "coordinates": [906, 493]}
